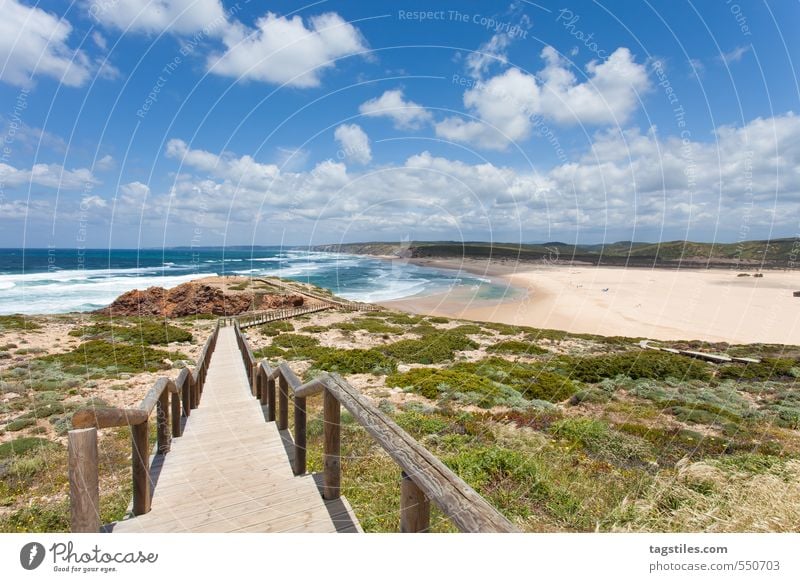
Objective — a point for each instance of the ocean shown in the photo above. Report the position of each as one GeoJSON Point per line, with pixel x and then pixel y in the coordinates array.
{"type": "Point", "coordinates": [40, 281]}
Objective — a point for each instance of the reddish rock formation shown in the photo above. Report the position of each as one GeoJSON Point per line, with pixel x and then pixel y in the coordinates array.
{"type": "Point", "coordinates": [191, 299]}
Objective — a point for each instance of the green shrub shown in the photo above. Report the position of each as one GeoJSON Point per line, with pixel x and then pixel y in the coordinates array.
{"type": "Point", "coordinates": [137, 331]}
{"type": "Point", "coordinates": [767, 369]}
{"type": "Point", "coordinates": [314, 329]}
{"type": "Point", "coordinates": [431, 349]}
{"type": "Point", "coordinates": [436, 319]}
{"type": "Point", "coordinates": [516, 347]}
{"type": "Point", "coordinates": [19, 423]}
{"type": "Point", "coordinates": [270, 352]}
{"type": "Point", "coordinates": [102, 357]}
{"type": "Point", "coordinates": [24, 446]}
{"type": "Point", "coordinates": [639, 364]}
{"type": "Point", "coordinates": [274, 328]}
{"type": "Point", "coordinates": [434, 383]}
{"type": "Point", "coordinates": [599, 439]}
{"type": "Point", "coordinates": [353, 361]}
{"type": "Point", "coordinates": [532, 381]}
{"type": "Point", "coordinates": [17, 322]}
{"type": "Point", "coordinates": [368, 324]}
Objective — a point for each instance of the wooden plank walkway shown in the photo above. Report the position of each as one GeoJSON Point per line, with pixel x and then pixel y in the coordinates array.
{"type": "Point", "coordinates": [230, 471]}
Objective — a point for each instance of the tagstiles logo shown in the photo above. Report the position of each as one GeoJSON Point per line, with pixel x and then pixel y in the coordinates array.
{"type": "Point", "coordinates": [31, 555]}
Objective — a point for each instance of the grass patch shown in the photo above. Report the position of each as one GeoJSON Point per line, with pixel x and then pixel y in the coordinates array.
{"type": "Point", "coordinates": [468, 388]}
{"type": "Point", "coordinates": [141, 331]}
{"type": "Point", "coordinates": [431, 349]}
{"type": "Point", "coordinates": [25, 446]}
{"type": "Point", "coordinates": [533, 381]}
{"type": "Point", "coordinates": [599, 439]}
{"type": "Point", "coordinates": [101, 358]}
{"type": "Point", "coordinates": [295, 341]}
{"type": "Point", "coordinates": [17, 322]}
{"type": "Point", "coordinates": [368, 324]}
{"type": "Point", "coordinates": [516, 347]}
{"type": "Point", "coordinates": [639, 364]}
{"type": "Point", "coordinates": [767, 369]}
{"type": "Point", "coordinates": [274, 328]}
{"type": "Point", "coordinates": [351, 361]}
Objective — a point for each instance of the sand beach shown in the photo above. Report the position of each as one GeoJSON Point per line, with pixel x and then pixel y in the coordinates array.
{"type": "Point", "coordinates": [715, 305]}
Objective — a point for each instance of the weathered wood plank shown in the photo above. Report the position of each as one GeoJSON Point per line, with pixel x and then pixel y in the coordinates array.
{"type": "Point", "coordinates": [84, 482]}
{"type": "Point", "coordinates": [108, 417]}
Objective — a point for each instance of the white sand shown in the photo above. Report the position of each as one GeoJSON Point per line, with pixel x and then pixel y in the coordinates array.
{"type": "Point", "coordinates": [709, 305]}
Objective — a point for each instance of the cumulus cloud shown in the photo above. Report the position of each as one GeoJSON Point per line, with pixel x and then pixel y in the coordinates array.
{"type": "Point", "coordinates": [489, 53]}
{"type": "Point", "coordinates": [507, 104]}
{"type": "Point", "coordinates": [33, 42]}
{"type": "Point", "coordinates": [354, 143]}
{"type": "Point", "coordinates": [243, 170]}
{"type": "Point", "coordinates": [392, 104]}
{"type": "Point", "coordinates": [283, 50]}
{"type": "Point", "coordinates": [49, 175]}
{"type": "Point", "coordinates": [628, 181]}
{"type": "Point", "coordinates": [157, 16]}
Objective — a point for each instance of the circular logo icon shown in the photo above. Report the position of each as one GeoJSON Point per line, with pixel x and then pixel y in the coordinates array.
{"type": "Point", "coordinates": [31, 555]}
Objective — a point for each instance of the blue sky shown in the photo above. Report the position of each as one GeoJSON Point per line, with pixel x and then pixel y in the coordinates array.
{"type": "Point", "coordinates": [199, 122]}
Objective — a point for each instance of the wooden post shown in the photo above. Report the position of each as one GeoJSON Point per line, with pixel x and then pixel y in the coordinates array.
{"type": "Point", "coordinates": [299, 436]}
{"type": "Point", "coordinates": [140, 461]}
{"type": "Point", "coordinates": [186, 395]}
{"type": "Point", "coordinates": [271, 399]}
{"type": "Point", "coordinates": [162, 422]}
{"type": "Point", "coordinates": [175, 414]}
{"type": "Point", "coordinates": [331, 459]}
{"type": "Point", "coordinates": [262, 384]}
{"type": "Point", "coordinates": [254, 380]}
{"type": "Point", "coordinates": [84, 481]}
{"type": "Point", "coordinates": [283, 404]}
{"type": "Point", "coordinates": [415, 509]}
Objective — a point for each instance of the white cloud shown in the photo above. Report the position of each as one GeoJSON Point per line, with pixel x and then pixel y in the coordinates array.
{"type": "Point", "coordinates": [354, 143]}
{"type": "Point", "coordinates": [105, 163]}
{"type": "Point", "coordinates": [284, 50]}
{"type": "Point", "coordinates": [507, 104]}
{"type": "Point", "coordinates": [156, 16]}
{"type": "Point", "coordinates": [489, 53]}
{"type": "Point", "coordinates": [93, 201]}
{"type": "Point", "coordinates": [243, 170]}
{"type": "Point", "coordinates": [504, 104]}
{"type": "Point", "coordinates": [34, 42]}
{"type": "Point", "coordinates": [735, 55]}
{"type": "Point", "coordinates": [49, 175]}
{"type": "Point", "coordinates": [627, 180]}
{"type": "Point", "coordinates": [99, 40]}
{"type": "Point", "coordinates": [134, 193]}
{"type": "Point", "coordinates": [392, 104]}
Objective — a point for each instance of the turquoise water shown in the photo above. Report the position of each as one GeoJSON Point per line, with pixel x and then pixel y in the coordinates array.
{"type": "Point", "coordinates": [65, 280]}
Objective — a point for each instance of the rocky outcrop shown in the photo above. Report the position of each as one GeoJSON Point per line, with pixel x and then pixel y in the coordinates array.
{"type": "Point", "coordinates": [192, 299]}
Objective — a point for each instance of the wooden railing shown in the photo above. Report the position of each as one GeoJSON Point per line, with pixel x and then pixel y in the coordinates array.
{"type": "Point", "coordinates": [425, 478]}
{"type": "Point", "coordinates": [260, 317]}
{"type": "Point", "coordinates": [84, 482]}
{"type": "Point", "coordinates": [344, 304]}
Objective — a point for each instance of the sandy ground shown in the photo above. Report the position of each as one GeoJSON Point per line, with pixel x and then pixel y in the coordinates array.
{"type": "Point", "coordinates": [667, 304]}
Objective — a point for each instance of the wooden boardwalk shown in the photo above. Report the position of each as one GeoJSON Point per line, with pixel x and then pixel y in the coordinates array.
{"type": "Point", "coordinates": [230, 470]}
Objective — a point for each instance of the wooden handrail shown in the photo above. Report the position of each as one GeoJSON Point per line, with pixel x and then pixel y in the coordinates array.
{"type": "Point", "coordinates": [171, 399]}
{"type": "Point", "coordinates": [424, 477]}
